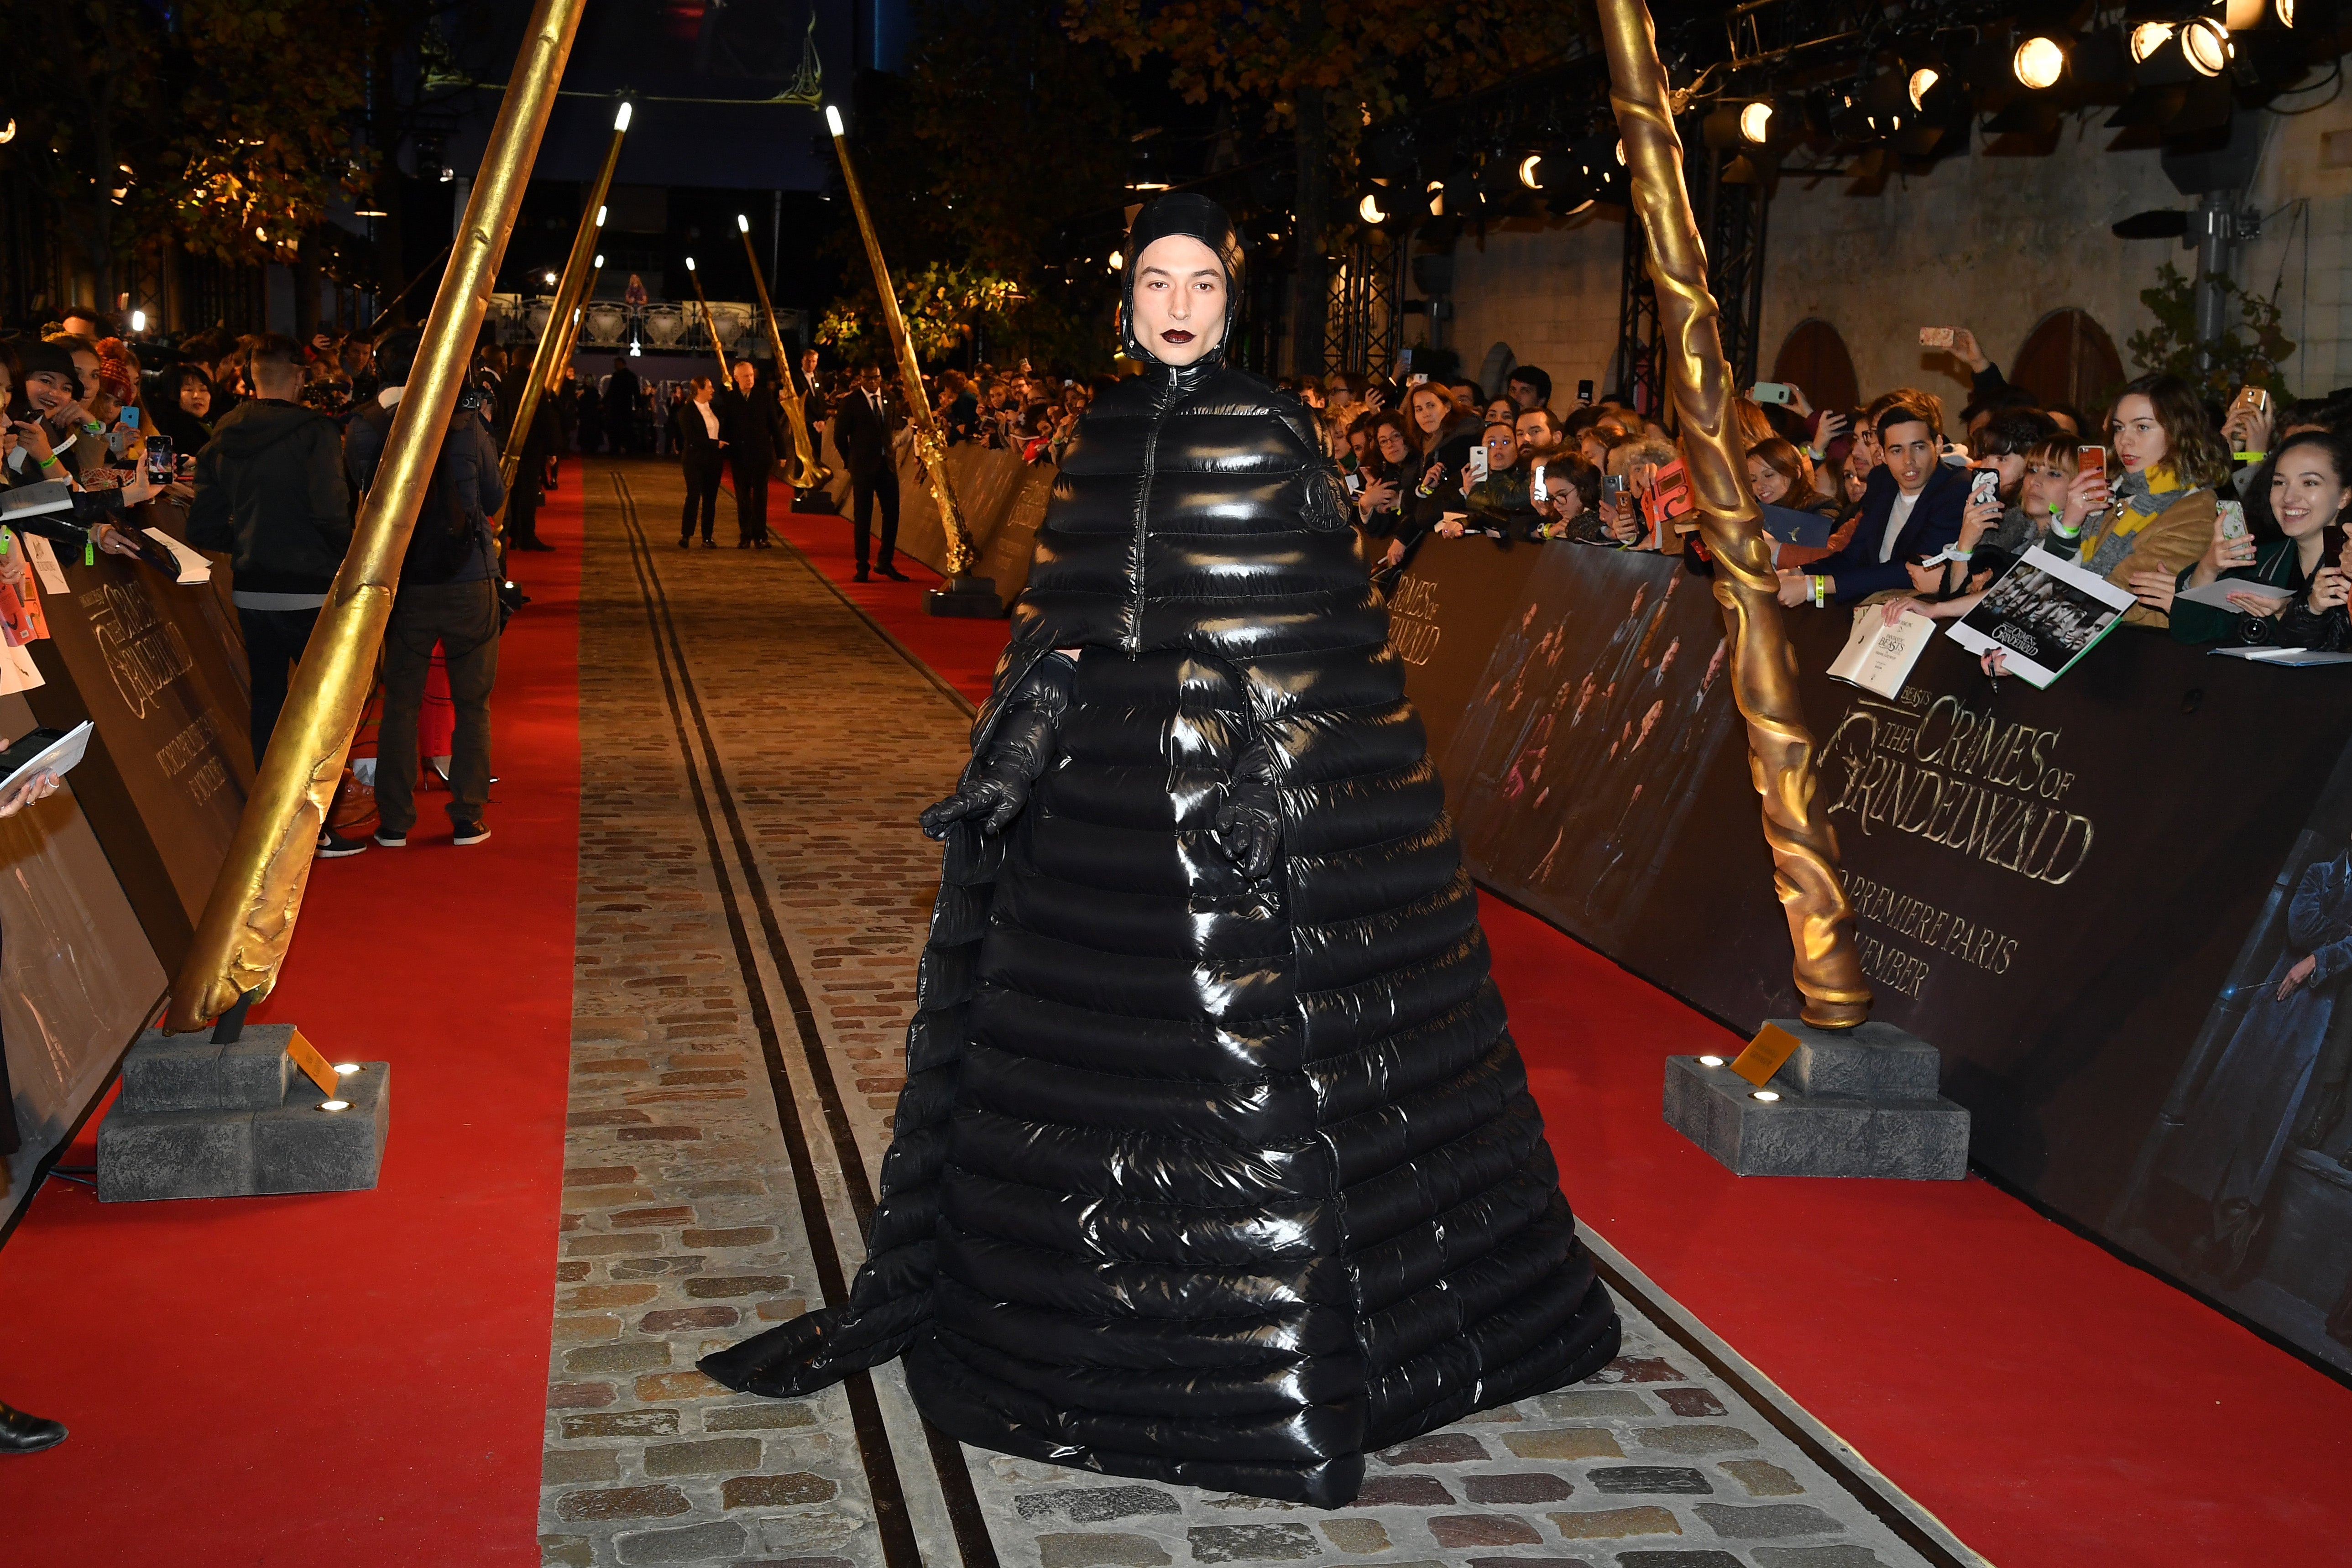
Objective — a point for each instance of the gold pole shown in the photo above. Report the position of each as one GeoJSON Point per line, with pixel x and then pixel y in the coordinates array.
{"type": "Point", "coordinates": [240, 942]}
{"type": "Point", "coordinates": [568, 294]}
{"type": "Point", "coordinates": [570, 343]}
{"type": "Point", "coordinates": [811, 473]}
{"type": "Point", "coordinates": [1763, 669]}
{"type": "Point", "coordinates": [931, 442]}
{"type": "Point", "coordinates": [709, 324]}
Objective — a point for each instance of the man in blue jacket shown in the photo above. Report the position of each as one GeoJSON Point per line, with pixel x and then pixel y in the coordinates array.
{"type": "Point", "coordinates": [1911, 510]}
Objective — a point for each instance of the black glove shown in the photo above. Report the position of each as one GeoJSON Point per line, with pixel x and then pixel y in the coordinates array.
{"type": "Point", "coordinates": [996, 785]}
{"type": "Point", "coordinates": [1249, 823]}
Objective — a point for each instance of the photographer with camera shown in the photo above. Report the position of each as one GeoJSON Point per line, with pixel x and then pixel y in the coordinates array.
{"type": "Point", "coordinates": [448, 595]}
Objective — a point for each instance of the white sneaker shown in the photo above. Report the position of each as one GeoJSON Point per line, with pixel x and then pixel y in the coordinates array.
{"type": "Point", "coordinates": [391, 841]}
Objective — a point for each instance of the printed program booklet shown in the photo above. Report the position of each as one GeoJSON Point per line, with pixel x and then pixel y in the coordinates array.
{"type": "Point", "coordinates": [1877, 657]}
{"type": "Point", "coordinates": [2043, 615]}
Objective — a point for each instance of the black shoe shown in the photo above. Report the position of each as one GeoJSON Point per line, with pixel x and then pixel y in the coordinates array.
{"type": "Point", "coordinates": [742, 545]}
{"type": "Point", "coordinates": [710, 544]}
{"type": "Point", "coordinates": [469, 832]}
{"type": "Point", "coordinates": [24, 1434]}
{"type": "Point", "coordinates": [532, 544]}
{"type": "Point", "coordinates": [686, 543]}
{"type": "Point", "coordinates": [861, 576]}
{"type": "Point", "coordinates": [333, 845]}
{"type": "Point", "coordinates": [894, 574]}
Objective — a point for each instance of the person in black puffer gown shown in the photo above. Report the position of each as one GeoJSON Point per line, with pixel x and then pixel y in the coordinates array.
{"type": "Point", "coordinates": [1216, 1163]}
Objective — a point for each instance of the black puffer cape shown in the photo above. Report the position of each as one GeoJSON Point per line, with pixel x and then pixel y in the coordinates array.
{"type": "Point", "coordinates": [1195, 1177]}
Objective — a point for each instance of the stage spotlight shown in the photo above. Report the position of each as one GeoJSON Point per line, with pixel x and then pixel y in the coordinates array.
{"type": "Point", "coordinates": [1756, 123]}
{"type": "Point", "coordinates": [1368, 209]}
{"type": "Point", "coordinates": [551, 278]}
{"type": "Point", "coordinates": [2284, 11]}
{"type": "Point", "coordinates": [1923, 82]}
{"type": "Point", "coordinates": [2206, 44]}
{"type": "Point", "coordinates": [1530, 170]}
{"type": "Point", "coordinates": [1436, 194]}
{"type": "Point", "coordinates": [2239, 15]}
{"type": "Point", "coordinates": [2147, 37]}
{"type": "Point", "coordinates": [2038, 63]}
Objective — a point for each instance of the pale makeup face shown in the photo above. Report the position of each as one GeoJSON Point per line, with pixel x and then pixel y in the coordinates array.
{"type": "Point", "coordinates": [2139, 441]}
{"type": "Point", "coordinates": [1179, 299]}
{"type": "Point", "coordinates": [2306, 493]}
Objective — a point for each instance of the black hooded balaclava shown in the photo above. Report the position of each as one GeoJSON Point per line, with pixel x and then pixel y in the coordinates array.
{"type": "Point", "coordinates": [1203, 220]}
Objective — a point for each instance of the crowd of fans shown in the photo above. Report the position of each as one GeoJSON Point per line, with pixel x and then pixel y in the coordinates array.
{"type": "Point", "coordinates": [2161, 492]}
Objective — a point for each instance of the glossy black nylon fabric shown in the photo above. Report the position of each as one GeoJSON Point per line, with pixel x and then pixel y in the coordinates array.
{"type": "Point", "coordinates": [1195, 1177]}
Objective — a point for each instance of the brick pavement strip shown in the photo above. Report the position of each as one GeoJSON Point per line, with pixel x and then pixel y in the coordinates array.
{"type": "Point", "coordinates": [682, 1226]}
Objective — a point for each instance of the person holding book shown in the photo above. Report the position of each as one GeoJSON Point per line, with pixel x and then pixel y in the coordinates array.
{"type": "Point", "coordinates": [1912, 508]}
{"type": "Point", "coordinates": [2157, 518]}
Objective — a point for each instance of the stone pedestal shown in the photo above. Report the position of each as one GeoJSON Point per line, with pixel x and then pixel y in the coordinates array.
{"type": "Point", "coordinates": [971, 597]}
{"type": "Point", "coordinates": [1858, 1102]}
{"type": "Point", "coordinates": [199, 1119]}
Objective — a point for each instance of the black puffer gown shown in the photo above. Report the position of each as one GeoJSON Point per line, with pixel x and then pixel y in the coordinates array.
{"type": "Point", "coordinates": [1199, 1178]}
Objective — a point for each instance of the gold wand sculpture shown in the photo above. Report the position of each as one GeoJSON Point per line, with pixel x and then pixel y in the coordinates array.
{"type": "Point", "coordinates": [547, 361]}
{"type": "Point", "coordinates": [709, 324]}
{"type": "Point", "coordinates": [240, 943]}
{"type": "Point", "coordinates": [965, 594]}
{"type": "Point", "coordinates": [1763, 668]}
{"type": "Point", "coordinates": [811, 473]}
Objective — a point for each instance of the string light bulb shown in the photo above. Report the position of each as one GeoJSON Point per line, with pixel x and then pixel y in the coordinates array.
{"type": "Point", "coordinates": [689, 264]}
{"type": "Point", "coordinates": [742, 224]}
{"type": "Point", "coordinates": [621, 115]}
{"type": "Point", "coordinates": [833, 119]}
{"type": "Point", "coordinates": [600, 264]}
{"type": "Point", "coordinates": [600, 215]}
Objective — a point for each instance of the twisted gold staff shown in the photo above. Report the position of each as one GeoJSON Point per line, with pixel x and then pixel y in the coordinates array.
{"type": "Point", "coordinates": [574, 288]}
{"type": "Point", "coordinates": [811, 474]}
{"type": "Point", "coordinates": [1763, 667]}
{"type": "Point", "coordinates": [930, 441]}
{"type": "Point", "coordinates": [240, 942]}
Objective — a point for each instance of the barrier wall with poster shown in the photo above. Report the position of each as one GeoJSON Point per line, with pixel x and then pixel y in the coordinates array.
{"type": "Point", "coordinates": [2122, 907]}
{"type": "Point", "coordinates": [101, 884]}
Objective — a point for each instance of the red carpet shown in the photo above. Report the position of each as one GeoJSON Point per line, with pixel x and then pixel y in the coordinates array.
{"type": "Point", "coordinates": [2052, 1405]}
{"type": "Point", "coordinates": [359, 1378]}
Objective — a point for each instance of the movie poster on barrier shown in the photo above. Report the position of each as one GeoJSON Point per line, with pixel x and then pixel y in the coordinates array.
{"type": "Point", "coordinates": [2052, 887]}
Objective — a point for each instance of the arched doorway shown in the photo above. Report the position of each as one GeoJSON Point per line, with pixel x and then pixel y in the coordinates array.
{"type": "Point", "coordinates": [2068, 358]}
{"type": "Point", "coordinates": [1814, 357]}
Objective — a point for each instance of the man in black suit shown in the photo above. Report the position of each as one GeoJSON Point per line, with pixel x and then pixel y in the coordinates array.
{"type": "Point", "coordinates": [702, 447]}
{"type": "Point", "coordinates": [752, 423]}
{"type": "Point", "coordinates": [865, 422]}
{"type": "Point", "coordinates": [1911, 510]}
{"type": "Point", "coordinates": [621, 405]}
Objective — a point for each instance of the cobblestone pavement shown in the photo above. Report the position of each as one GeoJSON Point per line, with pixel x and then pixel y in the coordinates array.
{"type": "Point", "coordinates": [752, 893]}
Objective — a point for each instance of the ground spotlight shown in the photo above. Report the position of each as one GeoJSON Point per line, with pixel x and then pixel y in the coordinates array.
{"type": "Point", "coordinates": [347, 1069]}
{"type": "Point", "coordinates": [335, 1105]}
{"type": "Point", "coordinates": [1710, 1061]}
{"type": "Point", "coordinates": [2038, 63]}
{"type": "Point", "coordinates": [1768, 1096]}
